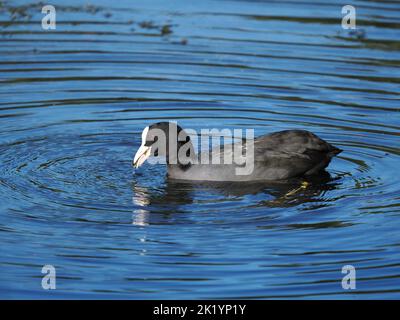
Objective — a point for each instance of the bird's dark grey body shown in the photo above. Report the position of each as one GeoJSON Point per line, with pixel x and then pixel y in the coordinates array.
{"type": "Point", "coordinates": [277, 156]}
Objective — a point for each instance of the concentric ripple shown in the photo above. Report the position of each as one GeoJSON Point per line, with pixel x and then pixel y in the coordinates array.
{"type": "Point", "coordinates": [73, 103]}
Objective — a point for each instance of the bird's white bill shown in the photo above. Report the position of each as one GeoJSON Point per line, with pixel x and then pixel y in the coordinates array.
{"type": "Point", "coordinates": [141, 155]}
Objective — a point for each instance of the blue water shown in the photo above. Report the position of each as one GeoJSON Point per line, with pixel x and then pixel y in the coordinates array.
{"type": "Point", "coordinates": [73, 103]}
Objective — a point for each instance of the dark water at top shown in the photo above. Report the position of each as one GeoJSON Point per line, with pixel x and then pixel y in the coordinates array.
{"type": "Point", "coordinates": [73, 102]}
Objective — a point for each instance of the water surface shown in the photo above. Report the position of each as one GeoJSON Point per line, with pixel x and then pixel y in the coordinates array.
{"type": "Point", "coordinates": [73, 102]}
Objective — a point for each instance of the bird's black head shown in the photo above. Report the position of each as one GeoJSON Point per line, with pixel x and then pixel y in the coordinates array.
{"type": "Point", "coordinates": [165, 139]}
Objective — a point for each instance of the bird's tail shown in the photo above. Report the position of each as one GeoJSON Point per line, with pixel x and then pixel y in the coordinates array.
{"type": "Point", "coordinates": [334, 151]}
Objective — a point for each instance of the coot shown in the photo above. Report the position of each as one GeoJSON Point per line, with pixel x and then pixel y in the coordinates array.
{"type": "Point", "coordinates": [277, 156]}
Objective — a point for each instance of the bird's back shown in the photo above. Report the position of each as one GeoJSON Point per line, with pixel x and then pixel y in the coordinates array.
{"type": "Point", "coordinates": [276, 156]}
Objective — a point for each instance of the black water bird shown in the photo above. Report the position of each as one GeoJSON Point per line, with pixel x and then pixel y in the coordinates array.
{"type": "Point", "coordinates": [277, 156]}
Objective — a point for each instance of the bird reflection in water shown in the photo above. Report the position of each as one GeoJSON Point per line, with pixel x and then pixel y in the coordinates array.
{"type": "Point", "coordinates": [140, 200]}
{"type": "Point", "coordinates": [167, 200]}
